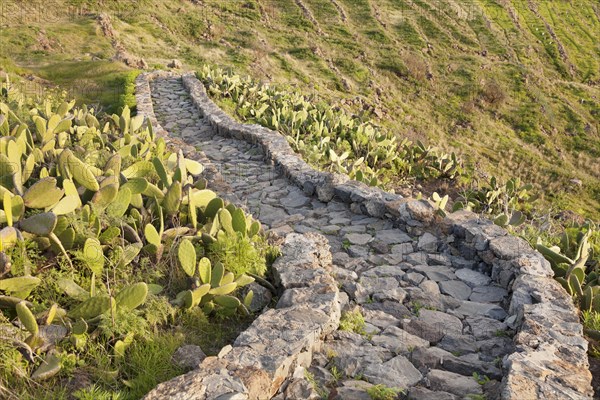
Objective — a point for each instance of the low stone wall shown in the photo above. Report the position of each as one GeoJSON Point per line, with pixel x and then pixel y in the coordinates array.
{"type": "Point", "coordinates": [363, 199]}
{"type": "Point", "coordinates": [550, 360]}
{"type": "Point", "coordinates": [279, 341]}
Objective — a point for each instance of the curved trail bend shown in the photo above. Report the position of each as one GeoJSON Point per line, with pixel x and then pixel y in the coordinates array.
{"type": "Point", "coordinates": [431, 320]}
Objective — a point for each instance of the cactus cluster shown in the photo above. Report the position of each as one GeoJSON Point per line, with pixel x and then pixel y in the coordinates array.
{"type": "Point", "coordinates": [213, 284]}
{"type": "Point", "coordinates": [571, 273]}
{"type": "Point", "coordinates": [104, 195]}
{"type": "Point", "coordinates": [506, 203]}
{"type": "Point", "coordinates": [329, 138]}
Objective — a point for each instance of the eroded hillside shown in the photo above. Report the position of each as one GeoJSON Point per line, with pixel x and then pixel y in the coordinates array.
{"type": "Point", "coordinates": [512, 85]}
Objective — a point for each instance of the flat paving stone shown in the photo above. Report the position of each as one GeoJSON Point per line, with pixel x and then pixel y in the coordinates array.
{"type": "Point", "coordinates": [358, 238]}
{"type": "Point", "coordinates": [457, 289]}
{"type": "Point", "coordinates": [450, 382]}
{"type": "Point", "coordinates": [398, 340]}
{"type": "Point", "coordinates": [472, 278]}
{"type": "Point", "coordinates": [488, 294]}
{"type": "Point", "coordinates": [437, 273]}
{"type": "Point", "coordinates": [392, 236]}
{"type": "Point", "coordinates": [395, 373]}
{"type": "Point", "coordinates": [474, 309]}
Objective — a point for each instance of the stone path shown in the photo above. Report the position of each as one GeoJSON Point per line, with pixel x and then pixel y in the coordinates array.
{"type": "Point", "coordinates": [432, 320]}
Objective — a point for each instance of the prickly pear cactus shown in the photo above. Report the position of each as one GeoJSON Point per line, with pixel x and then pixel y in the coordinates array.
{"type": "Point", "coordinates": [187, 257]}
{"type": "Point", "coordinates": [27, 318]}
{"type": "Point", "coordinates": [132, 296]}
{"type": "Point", "coordinates": [111, 203]}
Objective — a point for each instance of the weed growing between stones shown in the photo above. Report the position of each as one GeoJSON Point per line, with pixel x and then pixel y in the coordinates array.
{"type": "Point", "coordinates": [353, 321]}
{"type": "Point", "coordinates": [382, 392]}
{"type": "Point", "coordinates": [322, 392]}
{"type": "Point", "coordinates": [481, 379]}
{"type": "Point", "coordinates": [113, 253]}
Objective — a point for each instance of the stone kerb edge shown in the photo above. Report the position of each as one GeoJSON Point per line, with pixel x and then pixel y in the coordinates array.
{"type": "Point", "coordinates": [279, 341]}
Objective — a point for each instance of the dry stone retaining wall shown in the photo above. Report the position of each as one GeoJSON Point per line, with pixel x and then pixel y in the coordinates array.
{"type": "Point", "coordinates": [550, 360]}
{"type": "Point", "coordinates": [279, 341]}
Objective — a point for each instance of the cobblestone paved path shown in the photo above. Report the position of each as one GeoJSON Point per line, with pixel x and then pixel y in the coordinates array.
{"type": "Point", "coordinates": [432, 320]}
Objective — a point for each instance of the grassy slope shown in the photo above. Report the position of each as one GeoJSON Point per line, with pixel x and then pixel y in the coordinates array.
{"type": "Point", "coordinates": [426, 67]}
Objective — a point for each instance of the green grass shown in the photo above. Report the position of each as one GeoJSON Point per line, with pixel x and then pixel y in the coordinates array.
{"type": "Point", "coordinates": [148, 363]}
{"type": "Point", "coordinates": [550, 111]}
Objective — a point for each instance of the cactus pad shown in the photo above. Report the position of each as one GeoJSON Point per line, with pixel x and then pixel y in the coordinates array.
{"type": "Point", "coordinates": [82, 172]}
{"type": "Point", "coordinates": [92, 307]}
{"type": "Point", "coordinates": [239, 221]}
{"type": "Point", "coordinates": [93, 255]}
{"type": "Point", "coordinates": [40, 224]}
{"type": "Point", "coordinates": [152, 235]}
{"type": "Point", "coordinates": [187, 257]}
{"type": "Point", "coordinates": [49, 367]}
{"type": "Point", "coordinates": [217, 274]}
{"type": "Point", "coordinates": [227, 301]}
{"type": "Point", "coordinates": [106, 195]}
{"type": "Point", "coordinates": [73, 290]}
{"type": "Point", "coordinates": [19, 284]}
{"type": "Point", "coordinates": [27, 318]}
{"type": "Point", "coordinates": [172, 198]}
{"type": "Point", "coordinates": [139, 170]}
{"type": "Point", "coordinates": [213, 207]}
{"type": "Point", "coordinates": [226, 221]}
{"type": "Point", "coordinates": [204, 269]}
{"type": "Point", "coordinates": [224, 289]}
{"type": "Point", "coordinates": [120, 204]}
{"type": "Point", "coordinates": [67, 205]}
{"type": "Point", "coordinates": [132, 296]}
{"type": "Point", "coordinates": [43, 193]}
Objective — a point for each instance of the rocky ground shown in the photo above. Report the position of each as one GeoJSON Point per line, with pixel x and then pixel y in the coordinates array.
{"type": "Point", "coordinates": [434, 326]}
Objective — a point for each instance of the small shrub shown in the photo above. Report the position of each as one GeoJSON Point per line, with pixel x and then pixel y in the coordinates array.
{"type": "Point", "coordinates": [493, 93]}
{"type": "Point", "coordinates": [416, 67]}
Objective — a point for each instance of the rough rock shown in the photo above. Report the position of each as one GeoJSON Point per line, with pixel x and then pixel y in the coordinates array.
{"type": "Point", "coordinates": [175, 64]}
{"type": "Point", "coordinates": [459, 385]}
{"type": "Point", "coordinates": [188, 357]}
{"type": "Point", "coordinates": [395, 373]}
{"type": "Point", "coordinates": [261, 296]}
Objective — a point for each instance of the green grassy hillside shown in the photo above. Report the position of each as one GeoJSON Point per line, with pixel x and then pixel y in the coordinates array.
{"type": "Point", "coordinates": [512, 85]}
